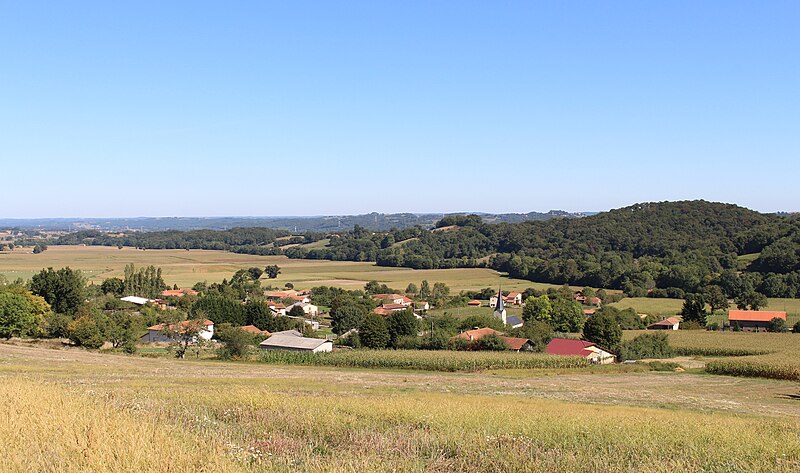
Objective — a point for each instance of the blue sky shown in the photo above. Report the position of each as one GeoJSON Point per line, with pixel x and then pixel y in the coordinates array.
{"type": "Point", "coordinates": [310, 108]}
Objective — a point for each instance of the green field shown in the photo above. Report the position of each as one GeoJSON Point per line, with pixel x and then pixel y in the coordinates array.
{"type": "Point", "coordinates": [669, 307]}
{"type": "Point", "coordinates": [74, 410]}
{"type": "Point", "coordinates": [185, 268]}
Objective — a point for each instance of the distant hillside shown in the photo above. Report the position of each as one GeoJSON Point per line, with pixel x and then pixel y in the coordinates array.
{"type": "Point", "coordinates": [373, 221]}
{"type": "Point", "coordinates": [681, 246]}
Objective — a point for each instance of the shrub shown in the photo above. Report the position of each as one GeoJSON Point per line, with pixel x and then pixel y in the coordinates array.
{"type": "Point", "coordinates": [777, 325]}
{"type": "Point", "coordinates": [86, 332]}
{"type": "Point", "coordinates": [56, 325]}
{"type": "Point", "coordinates": [662, 366]}
{"type": "Point", "coordinates": [236, 343]}
{"type": "Point", "coordinates": [648, 345]}
{"type": "Point", "coordinates": [691, 325]}
{"type": "Point", "coordinates": [491, 342]}
{"type": "Point", "coordinates": [796, 328]}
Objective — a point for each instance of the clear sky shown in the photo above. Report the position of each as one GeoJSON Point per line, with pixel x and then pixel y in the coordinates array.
{"type": "Point", "coordinates": [136, 108]}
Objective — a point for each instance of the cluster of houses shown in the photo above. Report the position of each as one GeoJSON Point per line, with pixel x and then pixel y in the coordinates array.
{"type": "Point", "coordinates": [397, 302]}
{"type": "Point", "coordinates": [293, 340]}
{"type": "Point", "coordinates": [557, 346]}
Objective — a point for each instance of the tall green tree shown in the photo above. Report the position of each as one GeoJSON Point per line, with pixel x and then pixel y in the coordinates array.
{"type": "Point", "coordinates": [373, 331]}
{"type": "Point", "coordinates": [21, 314]}
{"type": "Point", "coordinates": [63, 289]}
{"type": "Point", "coordinates": [401, 324]}
{"type": "Point", "coordinates": [272, 271]}
{"type": "Point", "coordinates": [694, 309]}
{"type": "Point", "coordinates": [346, 317]}
{"type": "Point", "coordinates": [567, 315]}
{"type": "Point", "coordinates": [538, 308]}
{"type": "Point", "coordinates": [603, 330]}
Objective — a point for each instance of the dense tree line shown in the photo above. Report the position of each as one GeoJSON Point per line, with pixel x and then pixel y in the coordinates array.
{"type": "Point", "coordinates": [666, 249]}
{"type": "Point", "coordinates": [658, 249]}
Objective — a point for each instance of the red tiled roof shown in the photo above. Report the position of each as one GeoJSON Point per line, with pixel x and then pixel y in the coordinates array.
{"type": "Point", "coordinates": [477, 333]}
{"type": "Point", "coordinates": [514, 294]}
{"type": "Point", "coordinates": [394, 306]}
{"type": "Point", "coordinates": [183, 325]}
{"type": "Point", "coordinates": [475, 302]}
{"type": "Point", "coordinates": [179, 292]}
{"type": "Point", "coordinates": [382, 311]}
{"type": "Point", "coordinates": [567, 347]}
{"type": "Point", "coordinates": [668, 321]}
{"type": "Point", "coordinates": [755, 315]}
{"type": "Point", "coordinates": [515, 343]}
{"type": "Point", "coordinates": [255, 330]}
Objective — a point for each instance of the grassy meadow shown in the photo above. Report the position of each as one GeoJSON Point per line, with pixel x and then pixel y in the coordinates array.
{"type": "Point", "coordinates": [665, 307]}
{"type": "Point", "coordinates": [185, 268]}
{"type": "Point", "coordinates": [73, 410]}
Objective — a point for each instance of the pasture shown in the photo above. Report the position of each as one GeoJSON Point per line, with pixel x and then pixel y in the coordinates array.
{"type": "Point", "coordinates": [664, 307]}
{"type": "Point", "coordinates": [185, 268]}
{"type": "Point", "coordinates": [105, 412]}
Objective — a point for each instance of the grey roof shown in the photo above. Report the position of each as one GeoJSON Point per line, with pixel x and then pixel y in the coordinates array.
{"type": "Point", "coordinates": [513, 320]}
{"type": "Point", "coordinates": [291, 333]}
{"type": "Point", "coordinates": [499, 307]}
{"type": "Point", "coordinates": [290, 341]}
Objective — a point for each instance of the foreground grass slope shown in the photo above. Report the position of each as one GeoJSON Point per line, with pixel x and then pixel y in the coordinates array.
{"type": "Point", "coordinates": [47, 428]}
{"type": "Point", "coordinates": [262, 418]}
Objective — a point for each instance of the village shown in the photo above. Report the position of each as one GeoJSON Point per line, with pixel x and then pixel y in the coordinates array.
{"type": "Point", "coordinates": [298, 306]}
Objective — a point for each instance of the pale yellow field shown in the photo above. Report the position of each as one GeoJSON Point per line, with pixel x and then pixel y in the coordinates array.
{"type": "Point", "coordinates": [185, 268]}
{"type": "Point", "coordinates": [73, 410]}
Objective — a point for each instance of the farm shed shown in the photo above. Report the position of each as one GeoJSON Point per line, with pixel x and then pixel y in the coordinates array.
{"type": "Point", "coordinates": [753, 320]}
{"type": "Point", "coordinates": [291, 342]}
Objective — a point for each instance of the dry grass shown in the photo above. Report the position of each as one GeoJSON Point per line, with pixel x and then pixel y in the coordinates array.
{"type": "Point", "coordinates": [45, 428]}
{"type": "Point", "coordinates": [185, 268]}
{"type": "Point", "coordinates": [311, 419]}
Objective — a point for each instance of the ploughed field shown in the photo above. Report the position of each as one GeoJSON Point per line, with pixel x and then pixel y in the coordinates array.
{"type": "Point", "coordinates": [74, 410]}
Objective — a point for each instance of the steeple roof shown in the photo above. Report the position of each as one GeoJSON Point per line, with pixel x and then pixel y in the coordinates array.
{"type": "Point", "coordinates": [499, 306]}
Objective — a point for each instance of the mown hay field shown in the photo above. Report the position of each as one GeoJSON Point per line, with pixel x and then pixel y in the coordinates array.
{"type": "Point", "coordinates": [103, 410]}
{"type": "Point", "coordinates": [185, 268]}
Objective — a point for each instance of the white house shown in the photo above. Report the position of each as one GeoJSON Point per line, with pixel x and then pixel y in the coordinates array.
{"type": "Point", "coordinates": [156, 332]}
{"type": "Point", "coordinates": [309, 309]}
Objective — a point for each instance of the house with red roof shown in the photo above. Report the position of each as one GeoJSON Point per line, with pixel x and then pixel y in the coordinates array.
{"type": "Point", "coordinates": [393, 299]}
{"type": "Point", "coordinates": [255, 330]}
{"type": "Point", "coordinates": [160, 332]}
{"type": "Point", "coordinates": [754, 320]}
{"type": "Point", "coordinates": [670, 323]}
{"type": "Point", "coordinates": [581, 348]}
{"type": "Point", "coordinates": [513, 343]}
{"type": "Point", "coordinates": [179, 292]}
{"type": "Point", "coordinates": [474, 303]}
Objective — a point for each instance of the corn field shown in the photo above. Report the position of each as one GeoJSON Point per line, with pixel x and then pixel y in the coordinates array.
{"type": "Point", "coordinates": [424, 360]}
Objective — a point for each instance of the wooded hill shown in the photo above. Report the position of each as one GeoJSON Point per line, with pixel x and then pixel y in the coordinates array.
{"type": "Point", "coordinates": [660, 249]}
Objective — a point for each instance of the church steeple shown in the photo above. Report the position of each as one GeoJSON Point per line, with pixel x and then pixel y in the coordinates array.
{"type": "Point", "coordinates": [499, 306]}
